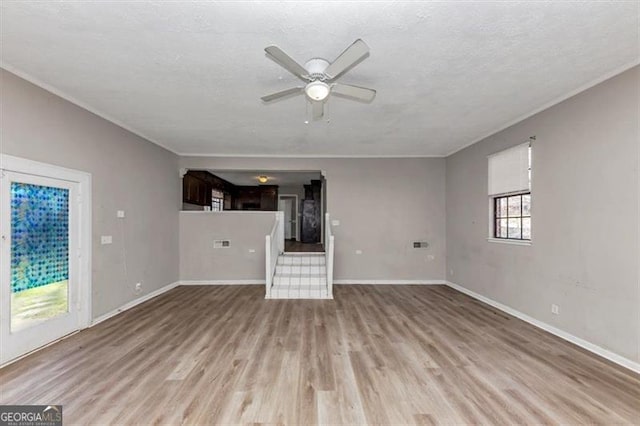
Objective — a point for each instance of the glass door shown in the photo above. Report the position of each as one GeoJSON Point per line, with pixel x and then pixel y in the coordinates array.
{"type": "Point", "coordinates": [39, 279]}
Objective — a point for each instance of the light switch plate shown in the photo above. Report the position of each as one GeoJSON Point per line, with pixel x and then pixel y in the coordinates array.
{"type": "Point", "coordinates": [120, 213]}
{"type": "Point", "coordinates": [106, 239]}
{"type": "Point", "coordinates": [335, 222]}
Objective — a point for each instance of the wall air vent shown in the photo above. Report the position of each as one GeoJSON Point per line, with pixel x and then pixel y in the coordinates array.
{"type": "Point", "coordinates": [420, 244]}
{"type": "Point", "coordinates": [221, 243]}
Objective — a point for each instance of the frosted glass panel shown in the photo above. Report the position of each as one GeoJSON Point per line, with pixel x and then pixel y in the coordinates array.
{"type": "Point", "coordinates": [39, 253]}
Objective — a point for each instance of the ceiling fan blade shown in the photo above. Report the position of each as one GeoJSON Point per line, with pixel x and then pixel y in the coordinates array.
{"type": "Point", "coordinates": [352, 56]}
{"type": "Point", "coordinates": [287, 62]}
{"type": "Point", "coordinates": [353, 92]}
{"type": "Point", "coordinates": [282, 94]}
{"type": "Point", "coordinates": [317, 110]}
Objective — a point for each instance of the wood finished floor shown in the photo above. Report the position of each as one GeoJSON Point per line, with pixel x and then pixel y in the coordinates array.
{"type": "Point", "coordinates": [375, 354]}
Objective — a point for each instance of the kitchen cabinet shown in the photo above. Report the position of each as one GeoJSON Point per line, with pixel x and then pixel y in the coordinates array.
{"type": "Point", "coordinates": [197, 186]}
{"type": "Point", "coordinates": [195, 190]}
{"type": "Point", "coordinates": [269, 197]}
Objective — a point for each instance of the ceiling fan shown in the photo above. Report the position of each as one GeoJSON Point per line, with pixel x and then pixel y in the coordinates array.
{"type": "Point", "coordinates": [320, 75]}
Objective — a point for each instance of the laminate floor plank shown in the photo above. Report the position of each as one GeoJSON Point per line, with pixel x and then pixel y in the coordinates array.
{"type": "Point", "coordinates": [374, 354]}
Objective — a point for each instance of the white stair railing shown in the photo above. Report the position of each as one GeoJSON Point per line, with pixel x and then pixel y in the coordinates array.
{"type": "Point", "coordinates": [329, 248]}
{"type": "Point", "coordinates": [273, 247]}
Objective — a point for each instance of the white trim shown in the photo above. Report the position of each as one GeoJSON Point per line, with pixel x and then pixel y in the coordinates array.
{"type": "Point", "coordinates": [304, 253]}
{"type": "Point", "coordinates": [509, 241]}
{"type": "Point", "coordinates": [227, 212]}
{"type": "Point", "coordinates": [11, 361]}
{"type": "Point", "coordinates": [101, 318]}
{"type": "Point", "coordinates": [548, 105]}
{"type": "Point", "coordinates": [83, 179]}
{"type": "Point", "coordinates": [611, 356]}
{"type": "Point", "coordinates": [323, 215]}
{"type": "Point", "coordinates": [390, 282]}
{"type": "Point", "coordinates": [201, 154]}
{"type": "Point", "coordinates": [83, 105]}
{"type": "Point", "coordinates": [223, 282]}
{"type": "Point", "coordinates": [134, 302]}
{"type": "Point", "coordinates": [118, 123]}
{"type": "Point", "coordinates": [297, 205]}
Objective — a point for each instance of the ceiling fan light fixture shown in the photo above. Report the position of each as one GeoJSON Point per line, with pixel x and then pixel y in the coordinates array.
{"type": "Point", "coordinates": [317, 91]}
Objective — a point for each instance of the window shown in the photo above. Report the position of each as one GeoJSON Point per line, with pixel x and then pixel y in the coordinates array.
{"type": "Point", "coordinates": [512, 217]}
{"type": "Point", "coordinates": [510, 194]}
{"type": "Point", "coordinates": [217, 199]}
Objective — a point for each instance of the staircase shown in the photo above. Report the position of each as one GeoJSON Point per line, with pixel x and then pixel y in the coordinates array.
{"type": "Point", "coordinates": [300, 276]}
{"type": "Point", "coordinates": [297, 275]}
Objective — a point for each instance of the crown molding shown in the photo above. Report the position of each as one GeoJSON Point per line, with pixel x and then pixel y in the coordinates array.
{"type": "Point", "coordinates": [61, 94]}
{"type": "Point", "coordinates": [548, 105]}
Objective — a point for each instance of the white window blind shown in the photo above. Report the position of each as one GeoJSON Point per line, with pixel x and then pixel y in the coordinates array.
{"type": "Point", "coordinates": [509, 170]}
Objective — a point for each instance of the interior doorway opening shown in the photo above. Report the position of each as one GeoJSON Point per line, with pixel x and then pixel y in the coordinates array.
{"type": "Point", "coordinates": [288, 204]}
{"type": "Point", "coordinates": [300, 194]}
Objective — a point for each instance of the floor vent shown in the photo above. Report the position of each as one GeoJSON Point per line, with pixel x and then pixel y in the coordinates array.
{"type": "Point", "coordinates": [221, 243]}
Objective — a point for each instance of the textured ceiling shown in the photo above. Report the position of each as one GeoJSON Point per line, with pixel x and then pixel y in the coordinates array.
{"type": "Point", "coordinates": [189, 75]}
{"type": "Point", "coordinates": [275, 178]}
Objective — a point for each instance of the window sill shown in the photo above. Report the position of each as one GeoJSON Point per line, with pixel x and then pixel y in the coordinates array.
{"type": "Point", "coordinates": [506, 241]}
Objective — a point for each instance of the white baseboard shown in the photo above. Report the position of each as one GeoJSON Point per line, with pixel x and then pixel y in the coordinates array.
{"type": "Point", "coordinates": [11, 361]}
{"type": "Point", "coordinates": [336, 282]}
{"type": "Point", "coordinates": [611, 356]}
{"type": "Point", "coordinates": [135, 302]}
{"type": "Point", "coordinates": [223, 282]}
{"type": "Point", "coordinates": [390, 282]}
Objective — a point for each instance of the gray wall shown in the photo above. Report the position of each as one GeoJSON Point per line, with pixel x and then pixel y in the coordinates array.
{"type": "Point", "coordinates": [584, 253]}
{"type": "Point", "coordinates": [382, 204]}
{"type": "Point", "coordinates": [128, 173]}
{"type": "Point", "coordinates": [199, 261]}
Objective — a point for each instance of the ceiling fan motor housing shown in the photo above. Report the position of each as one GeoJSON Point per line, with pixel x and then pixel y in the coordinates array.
{"type": "Point", "coordinates": [316, 67]}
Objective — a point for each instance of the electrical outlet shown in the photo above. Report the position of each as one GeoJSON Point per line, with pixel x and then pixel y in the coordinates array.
{"type": "Point", "coordinates": [138, 287]}
{"type": "Point", "coordinates": [106, 239]}
{"type": "Point", "coordinates": [335, 222]}
{"type": "Point", "coordinates": [252, 250]}
{"type": "Point", "coordinates": [555, 309]}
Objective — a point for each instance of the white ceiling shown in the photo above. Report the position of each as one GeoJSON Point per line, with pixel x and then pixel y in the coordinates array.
{"type": "Point", "coordinates": [189, 75]}
{"type": "Point", "coordinates": [285, 178]}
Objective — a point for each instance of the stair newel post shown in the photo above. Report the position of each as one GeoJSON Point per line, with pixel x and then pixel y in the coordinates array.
{"type": "Point", "coordinates": [280, 233]}
{"type": "Point", "coordinates": [268, 272]}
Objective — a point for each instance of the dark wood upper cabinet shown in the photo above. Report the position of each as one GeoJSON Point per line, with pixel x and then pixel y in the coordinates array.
{"type": "Point", "coordinates": [269, 197]}
{"type": "Point", "coordinates": [197, 186]}
{"type": "Point", "coordinates": [194, 190]}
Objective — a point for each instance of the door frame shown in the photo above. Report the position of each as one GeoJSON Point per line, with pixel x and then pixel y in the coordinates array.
{"type": "Point", "coordinates": [10, 163]}
{"type": "Point", "coordinates": [280, 196]}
